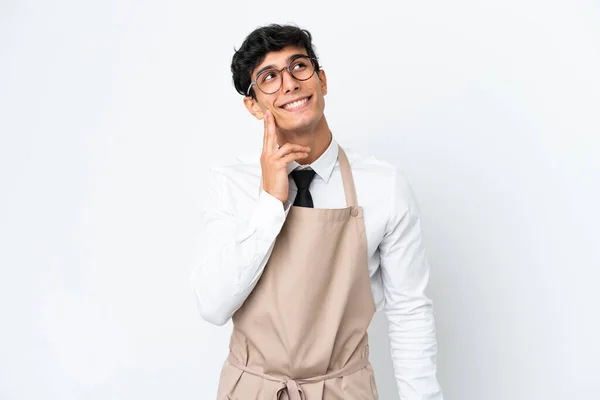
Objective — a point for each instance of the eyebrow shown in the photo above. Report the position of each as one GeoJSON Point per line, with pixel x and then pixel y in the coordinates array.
{"type": "Point", "coordinates": [289, 60]}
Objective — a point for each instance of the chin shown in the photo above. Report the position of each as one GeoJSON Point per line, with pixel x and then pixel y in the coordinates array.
{"type": "Point", "coordinates": [303, 125]}
{"type": "Point", "coordinates": [303, 122]}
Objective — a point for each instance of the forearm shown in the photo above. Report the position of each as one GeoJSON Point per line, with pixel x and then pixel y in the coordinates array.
{"type": "Point", "coordinates": [414, 348]}
{"type": "Point", "coordinates": [223, 281]}
{"type": "Point", "coordinates": [233, 254]}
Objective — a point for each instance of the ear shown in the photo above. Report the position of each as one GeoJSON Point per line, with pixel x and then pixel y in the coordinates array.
{"type": "Point", "coordinates": [323, 81]}
{"type": "Point", "coordinates": [253, 107]}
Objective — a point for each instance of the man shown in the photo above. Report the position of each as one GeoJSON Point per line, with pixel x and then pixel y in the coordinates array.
{"type": "Point", "coordinates": [302, 244]}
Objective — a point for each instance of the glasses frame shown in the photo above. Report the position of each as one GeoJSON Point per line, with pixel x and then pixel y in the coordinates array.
{"type": "Point", "coordinates": [313, 61]}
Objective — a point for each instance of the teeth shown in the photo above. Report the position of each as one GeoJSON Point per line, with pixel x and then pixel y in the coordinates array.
{"type": "Point", "coordinates": [296, 104]}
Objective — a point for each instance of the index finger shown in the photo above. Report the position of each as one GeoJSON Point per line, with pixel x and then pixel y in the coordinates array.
{"type": "Point", "coordinates": [270, 132]}
{"type": "Point", "coordinates": [265, 133]}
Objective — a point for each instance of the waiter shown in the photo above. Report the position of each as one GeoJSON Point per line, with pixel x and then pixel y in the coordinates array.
{"type": "Point", "coordinates": [303, 243]}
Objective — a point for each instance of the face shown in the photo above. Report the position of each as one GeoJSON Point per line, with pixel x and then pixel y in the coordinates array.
{"type": "Point", "coordinates": [298, 105]}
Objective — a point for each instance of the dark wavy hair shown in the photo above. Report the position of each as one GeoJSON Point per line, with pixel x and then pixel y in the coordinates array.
{"type": "Point", "coordinates": [261, 41]}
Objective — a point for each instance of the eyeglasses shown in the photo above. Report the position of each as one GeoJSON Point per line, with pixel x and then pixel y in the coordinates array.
{"type": "Point", "coordinates": [269, 81]}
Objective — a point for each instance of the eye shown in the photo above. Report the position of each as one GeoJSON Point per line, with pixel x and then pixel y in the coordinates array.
{"type": "Point", "coordinates": [268, 76]}
{"type": "Point", "coordinates": [299, 65]}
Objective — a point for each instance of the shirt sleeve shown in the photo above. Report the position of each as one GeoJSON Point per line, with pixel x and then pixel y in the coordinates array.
{"type": "Point", "coordinates": [405, 274]}
{"type": "Point", "coordinates": [233, 249]}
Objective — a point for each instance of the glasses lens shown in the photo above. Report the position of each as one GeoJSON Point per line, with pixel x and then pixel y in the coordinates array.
{"type": "Point", "coordinates": [302, 68]}
{"type": "Point", "coordinates": [269, 81]}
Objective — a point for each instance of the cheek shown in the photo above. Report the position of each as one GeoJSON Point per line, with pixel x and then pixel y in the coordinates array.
{"type": "Point", "coordinates": [320, 103]}
{"type": "Point", "coordinates": [273, 107]}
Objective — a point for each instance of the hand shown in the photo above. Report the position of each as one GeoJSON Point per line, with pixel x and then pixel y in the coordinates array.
{"type": "Point", "coordinates": [274, 161]}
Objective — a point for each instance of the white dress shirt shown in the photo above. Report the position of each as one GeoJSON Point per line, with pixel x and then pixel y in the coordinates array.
{"type": "Point", "coordinates": [242, 222]}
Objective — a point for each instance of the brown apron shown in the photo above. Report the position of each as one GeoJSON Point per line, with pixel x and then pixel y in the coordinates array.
{"type": "Point", "coordinates": [302, 332]}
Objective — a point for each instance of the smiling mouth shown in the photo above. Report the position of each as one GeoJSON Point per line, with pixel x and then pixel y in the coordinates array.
{"type": "Point", "coordinates": [297, 104]}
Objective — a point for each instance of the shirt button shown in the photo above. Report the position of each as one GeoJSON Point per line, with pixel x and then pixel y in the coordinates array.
{"type": "Point", "coordinates": [354, 212]}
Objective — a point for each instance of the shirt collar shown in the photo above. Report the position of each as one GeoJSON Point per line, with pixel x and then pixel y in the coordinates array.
{"type": "Point", "coordinates": [323, 166]}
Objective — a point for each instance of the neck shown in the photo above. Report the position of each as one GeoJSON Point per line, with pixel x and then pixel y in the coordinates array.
{"type": "Point", "coordinates": [318, 139]}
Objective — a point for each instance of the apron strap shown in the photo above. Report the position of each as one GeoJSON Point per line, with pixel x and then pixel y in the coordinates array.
{"type": "Point", "coordinates": [292, 386]}
{"type": "Point", "coordinates": [349, 188]}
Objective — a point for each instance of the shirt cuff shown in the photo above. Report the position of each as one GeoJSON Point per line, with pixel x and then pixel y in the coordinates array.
{"type": "Point", "coordinates": [269, 215]}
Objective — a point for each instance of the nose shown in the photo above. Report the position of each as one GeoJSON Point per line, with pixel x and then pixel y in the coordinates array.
{"type": "Point", "coordinates": [289, 83]}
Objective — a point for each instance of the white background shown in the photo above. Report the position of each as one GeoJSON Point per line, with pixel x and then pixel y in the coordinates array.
{"type": "Point", "coordinates": [111, 113]}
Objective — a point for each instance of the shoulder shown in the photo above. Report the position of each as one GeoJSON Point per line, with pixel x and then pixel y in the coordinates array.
{"type": "Point", "coordinates": [387, 178]}
{"type": "Point", "coordinates": [376, 167]}
{"type": "Point", "coordinates": [239, 176]}
{"type": "Point", "coordinates": [369, 163]}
